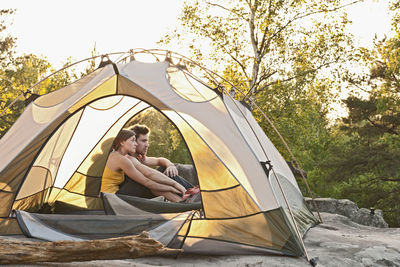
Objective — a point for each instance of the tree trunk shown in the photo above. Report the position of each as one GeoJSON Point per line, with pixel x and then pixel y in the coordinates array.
{"type": "Point", "coordinates": [17, 252]}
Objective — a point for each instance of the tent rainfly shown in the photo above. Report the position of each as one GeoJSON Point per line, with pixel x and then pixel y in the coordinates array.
{"type": "Point", "coordinates": [53, 157]}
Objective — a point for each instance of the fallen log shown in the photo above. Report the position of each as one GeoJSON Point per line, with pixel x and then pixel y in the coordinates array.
{"type": "Point", "coordinates": [17, 252]}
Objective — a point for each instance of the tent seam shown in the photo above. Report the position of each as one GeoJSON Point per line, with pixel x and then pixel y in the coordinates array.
{"type": "Point", "coordinates": [97, 143]}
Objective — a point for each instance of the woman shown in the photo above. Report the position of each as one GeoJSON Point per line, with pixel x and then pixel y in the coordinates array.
{"type": "Point", "coordinates": [118, 164]}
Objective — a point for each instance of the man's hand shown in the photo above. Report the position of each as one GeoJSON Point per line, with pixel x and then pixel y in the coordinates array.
{"type": "Point", "coordinates": [171, 171]}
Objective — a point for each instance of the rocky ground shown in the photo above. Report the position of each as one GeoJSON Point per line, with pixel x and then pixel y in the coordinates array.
{"type": "Point", "coordinates": [337, 242]}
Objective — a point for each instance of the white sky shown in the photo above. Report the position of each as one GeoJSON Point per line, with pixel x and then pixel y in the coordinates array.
{"type": "Point", "coordinates": [369, 18]}
{"type": "Point", "coordinates": [61, 29]}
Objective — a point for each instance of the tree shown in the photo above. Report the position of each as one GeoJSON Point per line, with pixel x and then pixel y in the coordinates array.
{"type": "Point", "coordinates": [18, 77]}
{"type": "Point", "coordinates": [6, 42]}
{"type": "Point", "coordinates": [284, 55]}
{"type": "Point", "coordinates": [18, 74]}
{"type": "Point", "coordinates": [364, 164]}
{"type": "Point", "coordinates": [264, 43]}
{"type": "Point", "coordinates": [165, 140]}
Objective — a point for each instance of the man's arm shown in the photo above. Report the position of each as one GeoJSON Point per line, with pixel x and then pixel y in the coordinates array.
{"type": "Point", "coordinates": [170, 168]}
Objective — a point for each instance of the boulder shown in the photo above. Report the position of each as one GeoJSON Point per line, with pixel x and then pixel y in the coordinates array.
{"type": "Point", "coordinates": [188, 172]}
{"type": "Point", "coordinates": [348, 208]}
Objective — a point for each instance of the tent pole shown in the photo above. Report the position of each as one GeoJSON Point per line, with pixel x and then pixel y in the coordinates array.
{"type": "Point", "coordinates": [151, 51]}
{"type": "Point", "coordinates": [283, 193]}
{"type": "Point", "coordinates": [29, 90]}
{"type": "Point", "coordinates": [290, 152]}
{"type": "Point", "coordinates": [294, 159]}
{"type": "Point", "coordinates": [276, 130]}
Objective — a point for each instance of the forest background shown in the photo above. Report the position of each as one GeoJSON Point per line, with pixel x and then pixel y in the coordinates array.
{"type": "Point", "coordinates": [293, 59]}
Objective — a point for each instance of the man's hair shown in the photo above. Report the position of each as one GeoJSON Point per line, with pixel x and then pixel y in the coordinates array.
{"type": "Point", "coordinates": [123, 135]}
{"type": "Point", "coordinates": [139, 129]}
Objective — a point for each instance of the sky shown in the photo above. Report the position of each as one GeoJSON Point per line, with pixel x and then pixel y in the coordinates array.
{"type": "Point", "coordinates": [369, 18]}
{"type": "Point", "coordinates": [62, 29]}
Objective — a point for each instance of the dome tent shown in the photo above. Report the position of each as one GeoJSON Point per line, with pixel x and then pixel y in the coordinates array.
{"type": "Point", "coordinates": [54, 156]}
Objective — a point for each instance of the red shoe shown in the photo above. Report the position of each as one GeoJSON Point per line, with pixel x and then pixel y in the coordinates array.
{"type": "Point", "coordinates": [192, 195]}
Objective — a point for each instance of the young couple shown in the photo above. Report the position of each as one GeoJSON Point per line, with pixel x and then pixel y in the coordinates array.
{"type": "Point", "coordinates": [128, 171]}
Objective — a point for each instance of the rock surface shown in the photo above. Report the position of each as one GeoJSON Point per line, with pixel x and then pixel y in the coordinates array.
{"type": "Point", "coordinates": [349, 209]}
{"type": "Point", "coordinates": [337, 242]}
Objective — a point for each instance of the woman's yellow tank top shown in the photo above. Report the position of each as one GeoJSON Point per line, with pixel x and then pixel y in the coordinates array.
{"type": "Point", "coordinates": [111, 180]}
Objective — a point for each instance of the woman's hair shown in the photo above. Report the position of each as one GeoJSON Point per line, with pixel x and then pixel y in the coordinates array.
{"type": "Point", "coordinates": [139, 129]}
{"type": "Point", "coordinates": [123, 135]}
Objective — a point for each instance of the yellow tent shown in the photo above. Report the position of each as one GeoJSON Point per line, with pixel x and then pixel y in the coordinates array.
{"type": "Point", "coordinates": [55, 153]}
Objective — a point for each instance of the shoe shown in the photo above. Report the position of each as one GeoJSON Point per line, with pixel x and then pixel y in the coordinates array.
{"type": "Point", "coordinates": [192, 195]}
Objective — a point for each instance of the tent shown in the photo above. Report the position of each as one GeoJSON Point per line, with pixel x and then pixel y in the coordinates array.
{"type": "Point", "coordinates": [52, 159]}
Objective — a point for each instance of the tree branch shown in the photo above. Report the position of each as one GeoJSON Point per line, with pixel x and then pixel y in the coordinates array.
{"type": "Point", "coordinates": [389, 130]}
{"type": "Point", "coordinates": [305, 14]}
{"type": "Point", "coordinates": [263, 48]}
{"type": "Point", "coordinates": [302, 15]}
{"type": "Point", "coordinates": [254, 43]}
{"type": "Point", "coordinates": [391, 180]}
{"type": "Point", "coordinates": [248, 3]}
{"type": "Point", "coordinates": [17, 252]}
{"type": "Point", "coordinates": [265, 77]}
{"type": "Point", "coordinates": [380, 178]}
{"type": "Point", "coordinates": [236, 60]}
{"type": "Point", "coordinates": [233, 11]}
{"type": "Point", "coordinates": [395, 78]}
{"type": "Point", "coordinates": [358, 87]}
{"type": "Point", "coordinates": [290, 78]}
{"type": "Point", "coordinates": [217, 41]}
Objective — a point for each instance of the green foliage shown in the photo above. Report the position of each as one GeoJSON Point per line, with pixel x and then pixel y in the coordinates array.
{"type": "Point", "coordinates": [279, 53]}
{"type": "Point", "coordinates": [262, 43]}
{"type": "Point", "coordinates": [18, 74]}
{"type": "Point", "coordinates": [365, 169]}
{"type": "Point", "coordinates": [364, 160]}
{"type": "Point", "coordinates": [6, 42]}
{"type": "Point", "coordinates": [165, 140]}
{"type": "Point", "coordinates": [302, 123]}
{"type": "Point", "coordinates": [18, 78]}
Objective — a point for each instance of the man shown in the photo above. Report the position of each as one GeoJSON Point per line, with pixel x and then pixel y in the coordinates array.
{"type": "Point", "coordinates": [167, 167]}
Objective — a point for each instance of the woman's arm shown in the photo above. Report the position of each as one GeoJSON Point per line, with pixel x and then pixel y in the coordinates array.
{"type": "Point", "coordinates": [161, 178]}
{"type": "Point", "coordinates": [129, 169]}
{"type": "Point", "coordinates": [156, 176]}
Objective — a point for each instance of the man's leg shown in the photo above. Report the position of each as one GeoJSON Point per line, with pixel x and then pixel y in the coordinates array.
{"type": "Point", "coordinates": [182, 181]}
{"type": "Point", "coordinates": [177, 179]}
{"type": "Point", "coordinates": [131, 188]}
